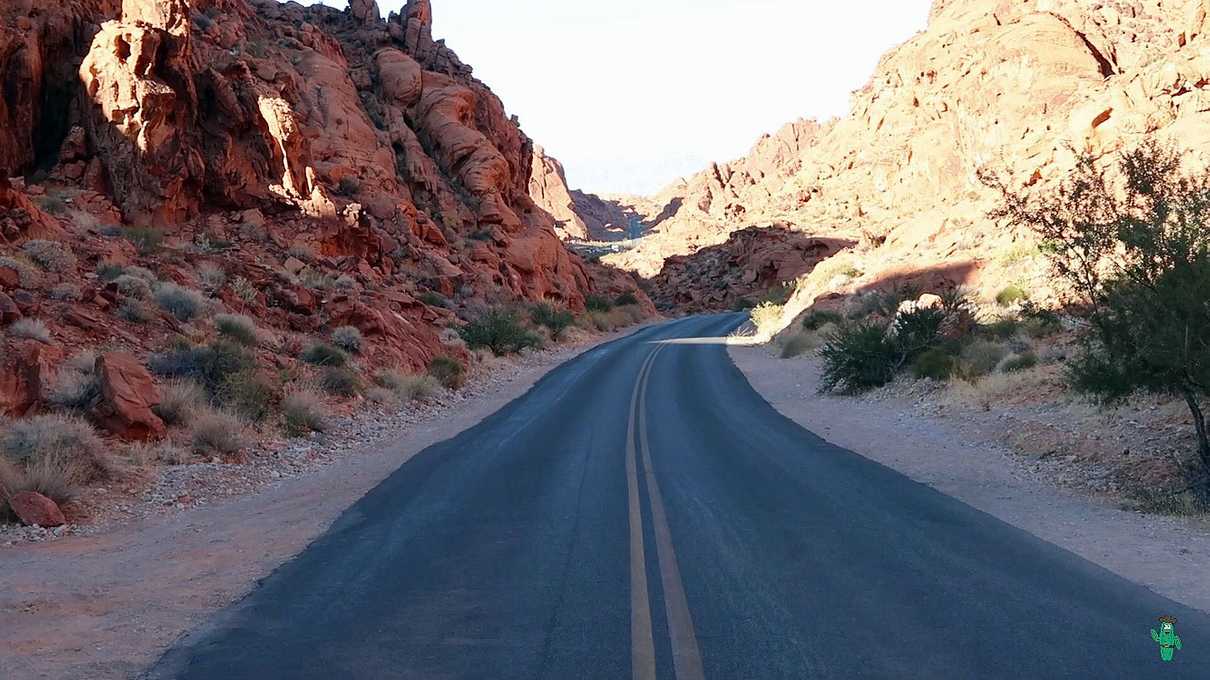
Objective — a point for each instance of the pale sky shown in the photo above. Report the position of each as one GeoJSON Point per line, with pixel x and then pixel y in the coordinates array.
{"type": "Point", "coordinates": [632, 94]}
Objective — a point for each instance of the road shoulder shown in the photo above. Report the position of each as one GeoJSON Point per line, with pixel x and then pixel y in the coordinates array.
{"type": "Point", "coordinates": [1166, 554]}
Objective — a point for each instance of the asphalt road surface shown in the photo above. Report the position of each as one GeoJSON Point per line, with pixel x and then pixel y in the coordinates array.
{"type": "Point", "coordinates": [643, 513]}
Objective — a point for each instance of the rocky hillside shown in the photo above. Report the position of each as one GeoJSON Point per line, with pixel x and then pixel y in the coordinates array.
{"type": "Point", "coordinates": [579, 216]}
{"type": "Point", "coordinates": [278, 210]}
{"type": "Point", "coordinates": [1016, 88]}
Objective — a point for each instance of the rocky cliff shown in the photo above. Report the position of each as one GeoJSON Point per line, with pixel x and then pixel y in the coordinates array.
{"type": "Point", "coordinates": [578, 215]}
{"type": "Point", "coordinates": [1017, 88]}
{"type": "Point", "coordinates": [341, 168]}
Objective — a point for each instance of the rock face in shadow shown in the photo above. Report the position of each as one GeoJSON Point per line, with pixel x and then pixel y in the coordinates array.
{"type": "Point", "coordinates": [579, 215]}
{"type": "Point", "coordinates": [1018, 88]}
{"type": "Point", "coordinates": [272, 129]}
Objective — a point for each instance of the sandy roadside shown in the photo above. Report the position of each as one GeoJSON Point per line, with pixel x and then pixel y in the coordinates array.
{"type": "Point", "coordinates": [1171, 556]}
{"type": "Point", "coordinates": [106, 606]}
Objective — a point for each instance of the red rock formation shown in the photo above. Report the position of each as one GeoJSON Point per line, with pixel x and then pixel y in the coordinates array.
{"type": "Point", "coordinates": [578, 215]}
{"type": "Point", "coordinates": [128, 397]}
{"type": "Point", "coordinates": [36, 510]}
{"type": "Point", "coordinates": [25, 375]}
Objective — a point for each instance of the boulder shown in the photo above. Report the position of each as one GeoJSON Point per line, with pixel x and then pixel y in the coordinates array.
{"type": "Point", "coordinates": [25, 374]}
{"type": "Point", "coordinates": [128, 396]}
{"type": "Point", "coordinates": [36, 510]}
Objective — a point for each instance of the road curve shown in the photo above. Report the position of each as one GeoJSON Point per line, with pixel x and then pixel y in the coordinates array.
{"type": "Point", "coordinates": [643, 513]}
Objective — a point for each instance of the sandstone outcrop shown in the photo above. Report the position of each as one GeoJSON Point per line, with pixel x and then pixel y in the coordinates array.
{"type": "Point", "coordinates": [128, 398]}
{"type": "Point", "coordinates": [35, 509]}
{"type": "Point", "coordinates": [1017, 88]}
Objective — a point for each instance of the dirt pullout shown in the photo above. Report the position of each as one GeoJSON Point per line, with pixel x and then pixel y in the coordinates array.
{"type": "Point", "coordinates": [106, 606]}
{"type": "Point", "coordinates": [1169, 555]}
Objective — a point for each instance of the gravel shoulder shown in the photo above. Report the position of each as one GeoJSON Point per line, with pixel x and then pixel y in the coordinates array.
{"type": "Point", "coordinates": [1169, 555]}
{"type": "Point", "coordinates": [104, 603]}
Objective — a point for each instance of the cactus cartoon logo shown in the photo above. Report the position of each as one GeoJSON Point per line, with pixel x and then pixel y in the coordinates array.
{"type": "Point", "coordinates": [1167, 638]}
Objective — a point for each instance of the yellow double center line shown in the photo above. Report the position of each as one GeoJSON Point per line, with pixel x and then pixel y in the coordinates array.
{"type": "Point", "coordinates": [686, 658]}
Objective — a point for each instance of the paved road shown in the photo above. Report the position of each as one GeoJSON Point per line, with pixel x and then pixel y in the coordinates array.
{"type": "Point", "coordinates": [643, 513]}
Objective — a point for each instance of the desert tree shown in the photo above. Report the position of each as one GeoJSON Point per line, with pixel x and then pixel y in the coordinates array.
{"type": "Point", "coordinates": [1133, 241]}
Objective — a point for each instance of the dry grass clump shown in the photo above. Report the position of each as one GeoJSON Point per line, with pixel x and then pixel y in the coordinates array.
{"type": "Point", "coordinates": [50, 255]}
{"type": "Point", "coordinates": [147, 454]}
{"type": "Point", "coordinates": [77, 386]}
{"type": "Point", "coordinates": [407, 386]}
{"type": "Point", "coordinates": [237, 327]}
{"type": "Point", "coordinates": [449, 372]}
{"type": "Point", "coordinates": [340, 381]}
{"type": "Point", "coordinates": [304, 412]}
{"type": "Point", "coordinates": [66, 292]}
{"type": "Point", "coordinates": [347, 338]}
{"type": "Point", "coordinates": [218, 433]}
{"type": "Point", "coordinates": [180, 401]}
{"type": "Point", "coordinates": [183, 303]}
{"type": "Point", "coordinates": [54, 455]}
{"type": "Point", "coordinates": [321, 354]}
{"type": "Point", "coordinates": [32, 329]}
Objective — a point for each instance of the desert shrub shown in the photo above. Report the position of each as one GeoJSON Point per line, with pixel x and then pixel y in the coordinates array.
{"type": "Point", "coordinates": [345, 283]}
{"type": "Point", "coordinates": [408, 387]}
{"type": "Point", "coordinates": [434, 300]}
{"type": "Point", "coordinates": [798, 344]}
{"type": "Point", "coordinates": [917, 330]}
{"type": "Point", "coordinates": [340, 381]}
{"type": "Point", "coordinates": [779, 294]}
{"type": "Point", "coordinates": [448, 371]}
{"type": "Point", "coordinates": [381, 395]}
{"type": "Point", "coordinates": [317, 279]}
{"type": "Point", "coordinates": [29, 275]}
{"type": "Point", "coordinates": [554, 319]}
{"type": "Point", "coordinates": [183, 303]}
{"type": "Point", "coordinates": [209, 365]}
{"type": "Point", "coordinates": [818, 319]}
{"type": "Point", "coordinates": [180, 400]}
{"type": "Point", "coordinates": [249, 394]}
{"type": "Point", "coordinates": [742, 305]}
{"type": "Point", "coordinates": [303, 412]}
{"type": "Point", "coordinates": [302, 251]}
{"type": "Point", "coordinates": [597, 303]}
{"type": "Point", "coordinates": [133, 287]}
{"type": "Point", "coordinates": [135, 312]}
{"type": "Point", "coordinates": [142, 273]}
{"type": "Point", "coordinates": [1010, 295]}
{"type": "Point", "coordinates": [934, 364]}
{"type": "Point", "coordinates": [146, 239]}
{"type": "Point", "coordinates": [77, 386]}
{"type": "Point", "coordinates": [145, 454]}
{"type": "Point", "coordinates": [980, 358]}
{"type": "Point", "coordinates": [212, 276]}
{"type": "Point", "coordinates": [50, 255]}
{"type": "Point", "coordinates": [237, 327]}
{"type": "Point", "coordinates": [244, 289]}
{"type": "Point", "coordinates": [53, 203]}
{"type": "Point", "coordinates": [217, 433]}
{"type": "Point", "coordinates": [108, 271]}
{"type": "Point", "coordinates": [322, 354]}
{"type": "Point", "coordinates": [32, 329]}
{"type": "Point", "coordinates": [55, 454]}
{"type": "Point", "coordinates": [348, 186]}
{"type": "Point", "coordinates": [1137, 250]}
{"type": "Point", "coordinates": [65, 291]}
{"type": "Point", "coordinates": [766, 317]}
{"type": "Point", "coordinates": [500, 331]}
{"type": "Point", "coordinates": [347, 338]}
{"type": "Point", "coordinates": [857, 358]}
{"type": "Point", "coordinates": [1039, 322]}
{"type": "Point", "coordinates": [1002, 329]}
{"type": "Point", "coordinates": [625, 299]}
{"type": "Point", "coordinates": [1019, 362]}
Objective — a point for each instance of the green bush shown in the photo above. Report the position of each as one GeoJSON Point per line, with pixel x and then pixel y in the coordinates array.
{"type": "Point", "coordinates": [500, 331]}
{"type": "Point", "coordinates": [434, 300]}
{"type": "Point", "coordinates": [249, 394]}
{"type": "Point", "coordinates": [183, 303]}
{"type": "Point", "coordinates": [980, 358]}
{"type": "Point", "coordinates": [596, 303]}
{"type": "Point", "coordinates": [934, 364]}
{"type": "Point", "coordinates": [347, 338]}
{"type": "Point", "coordinates": [1004, 329]}
{"type": "Point", "coordinates": [818, 319]}
{"type": "Point", "coordinates": [146, 239]}
{"type": "Point", "coordinates": [448, 371]}
{"type": "Point", "coordinates": [858, 358]}
{"type": "Point", "coordinates": [321, 354]}
{"type": "Point", "coordinates": [1010, 295]}
{"type": "Point", "coordinates": [917, 330]}
{"type": "Point", "coordinates": [210, 365]}
{"type": "Point", "coordinates": [1019, 362]}
{"type": "Point", "coordinates": [554, 319]}
{"type": "Point", "coordinates": [626, 299]}
{"type": "Point", "coordinates": [237, 327]}
{"type": "Point", "coordinates": [340, 381]}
